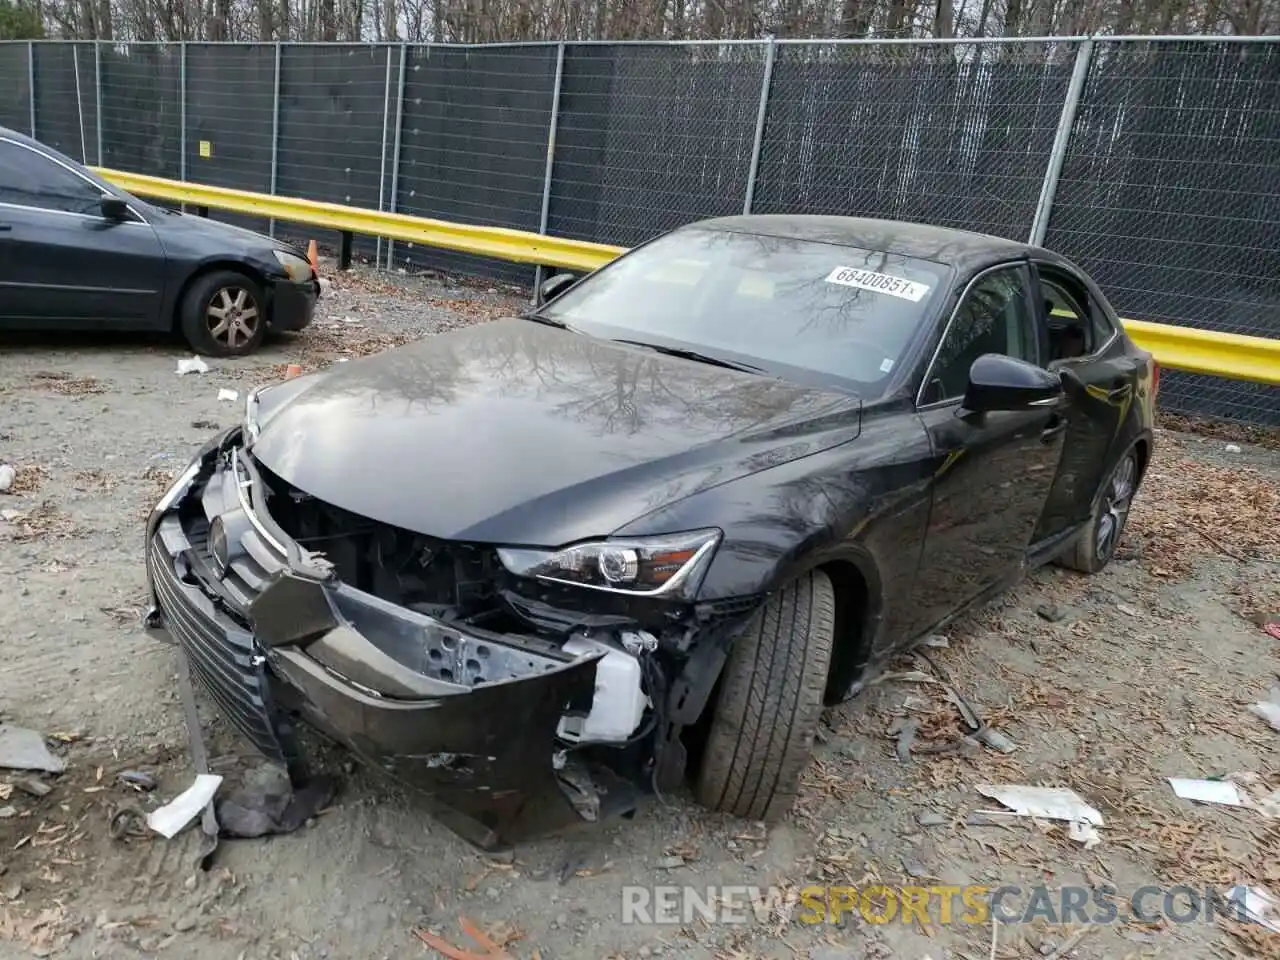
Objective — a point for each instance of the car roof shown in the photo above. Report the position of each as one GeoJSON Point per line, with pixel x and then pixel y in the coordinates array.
{"type": "Point", "coordinates": [11, 134]}
{"type": "Point", "coordinates": [945, 245]}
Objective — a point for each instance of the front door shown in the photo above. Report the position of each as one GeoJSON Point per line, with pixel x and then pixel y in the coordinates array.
{"type": "Point", "coordinates": [992, 472]}
{"type": "Point", "coordinates": [61, 262]}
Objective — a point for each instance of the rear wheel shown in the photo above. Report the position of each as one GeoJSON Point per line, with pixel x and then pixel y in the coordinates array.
{"type": "Point", "coordinates": [764, 720]}
{"type": "Point", "coordinates": [223, 315]}
{"type": "Point", "coordinates": [1096, 544]}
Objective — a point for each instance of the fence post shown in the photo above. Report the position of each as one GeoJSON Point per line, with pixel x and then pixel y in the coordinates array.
{"type": "Point", "coordinates": [551, 160]}
{"type": "Point", "coordinates": [31, 84]}
{"type": "Point", "coordinates": [182, 112]}
{"type": "Point", "coordinates": [765, 82]}
{"type": "Point", "coordinates": [1061, 139]}
{"type": "Point", "coordinates": [97, 92]}
{"type": "Point", "coordinates": [275, 136]}
{"type": "Point", "coordinates": [382, 170]}
{"type": "Point", "coordinates": [75, 65]}
{"type": "Point", "coordinates": [395, 156]}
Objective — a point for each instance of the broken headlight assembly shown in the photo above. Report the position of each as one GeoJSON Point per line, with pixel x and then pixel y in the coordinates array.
{"type": "Point", "coordinates": [671, 565]}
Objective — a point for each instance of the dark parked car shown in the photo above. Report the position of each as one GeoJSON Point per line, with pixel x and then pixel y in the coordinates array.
{"type": "Point", "coordinates": [78, 253]}
{"type": "Point", "coordinates": [655, 525]}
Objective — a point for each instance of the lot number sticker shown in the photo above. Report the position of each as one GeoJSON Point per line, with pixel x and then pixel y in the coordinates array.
{"type": "Point", "coordinates": [878, 283]}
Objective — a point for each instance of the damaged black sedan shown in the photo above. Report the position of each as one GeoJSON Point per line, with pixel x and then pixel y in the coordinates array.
{"type": "Point", "coordinates": [645, 533]}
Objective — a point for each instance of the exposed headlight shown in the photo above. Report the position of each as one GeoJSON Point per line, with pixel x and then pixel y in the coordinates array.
{"type": "Point", "coordinates": [298, 269]}
{"type": "Point", "coordinates": [668, 565]}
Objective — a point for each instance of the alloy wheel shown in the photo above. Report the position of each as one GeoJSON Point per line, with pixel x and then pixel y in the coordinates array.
{"type": "Point", "coordinates": [1115, 506]}
{"type": "Point", "coordinates": [232, 316]}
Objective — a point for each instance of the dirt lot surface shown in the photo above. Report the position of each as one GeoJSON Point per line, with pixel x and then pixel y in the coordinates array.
{"type": "Point", "coordinates": [1107, 685]}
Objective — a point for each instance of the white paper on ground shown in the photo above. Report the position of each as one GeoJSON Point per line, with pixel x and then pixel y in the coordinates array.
{"type": "Point", "coordinates": [1085, 833]}
{"type": "Point", "coordinates": [229, 395]}
{"type": "Point", "coordinates": [1207, 791]}
{"type": "Point", "coordinates": [191, 365]}
{"type": "Point", "coordinates": [1048, 803]}
{"type": "Point", "coordinates": [1259, 905]}
{"type": "Point", "coordinates": [185, 807]}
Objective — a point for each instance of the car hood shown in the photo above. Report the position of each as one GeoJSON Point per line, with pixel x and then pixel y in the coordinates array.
{"type": "Point", "coordinates": [198, 232]}
{"type": "Point", "coordinates": [516, 432]}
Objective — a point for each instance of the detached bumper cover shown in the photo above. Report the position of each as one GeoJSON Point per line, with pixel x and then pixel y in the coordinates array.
{"type": "Point", "coordinates": [293, 305]}
{"type": "Point", "coordinates": [468, 718]}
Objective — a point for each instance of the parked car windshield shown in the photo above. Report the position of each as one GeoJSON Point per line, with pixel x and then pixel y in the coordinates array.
{"type": "Point", "coordinates": [798, 309]}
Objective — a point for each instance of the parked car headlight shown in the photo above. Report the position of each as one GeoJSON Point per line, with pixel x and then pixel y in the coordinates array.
{"type": "Point", "coordinates": [298, 269]}
{"type": "Point", "coordinates": [668, 565]}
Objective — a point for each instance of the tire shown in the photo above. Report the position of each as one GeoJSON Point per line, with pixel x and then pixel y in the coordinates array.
{"type": "Point", "coordinates": [223, 314]}
{"type": "Point", "coordinates": [1095, 545]}
{"type": "Point", "coordinates": [763, 722]}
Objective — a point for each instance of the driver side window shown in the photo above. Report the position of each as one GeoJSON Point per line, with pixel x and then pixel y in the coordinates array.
{"type": "Point", "coordinates": [995, 316]}
{"type": "Point", "coordinates": [30, 179]}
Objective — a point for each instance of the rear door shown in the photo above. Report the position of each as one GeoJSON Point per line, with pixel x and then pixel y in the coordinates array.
{"type": "Point", "coordinates": [991, 472]}
{"type": "Point", "coordinates": [1100, 379]}
{"type": "Point", "coordinates": [61, 262]}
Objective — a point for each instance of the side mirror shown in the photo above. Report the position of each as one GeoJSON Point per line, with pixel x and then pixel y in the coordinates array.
{"type": "Point", "coordinates": [554, 286]}
{"type": "Point", "coordinates": [997, 382]}
{"type": "Point", "coordinates": [113, 208]}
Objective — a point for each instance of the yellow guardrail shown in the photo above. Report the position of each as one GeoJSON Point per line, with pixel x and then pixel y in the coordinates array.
{"type": "Point", "coordinates": [1229, 355]}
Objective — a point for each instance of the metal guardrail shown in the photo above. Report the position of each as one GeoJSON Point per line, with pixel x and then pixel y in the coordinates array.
{"type": "Point", "coordinates": [1230, 355]}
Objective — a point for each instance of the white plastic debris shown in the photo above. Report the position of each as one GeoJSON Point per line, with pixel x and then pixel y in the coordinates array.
{"type": "Point", "coordinates": [1233, 448]}
{"type": "Point", "coordinates": [185, 807]}
{"type": "Point", "coordinates": [1258, 904]}
{"type": "Point", "coordinates": [191, 365]}
{"type": "Point", "coordinates": [1085, 833]}
{"type": "Point", "coordinates": [7, 475]}
{"type": "Point", "coordinates": [1046, 803]}
{"type": "Point", "coordinates": [1207, 791]}
{"type": "Point", "coordinates": [230, 396]}
{"type": "Point", "coordinates": [1268, 710]}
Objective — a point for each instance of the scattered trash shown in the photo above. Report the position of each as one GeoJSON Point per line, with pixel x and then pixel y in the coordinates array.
{"type": "Point", "coordinates": [1084, 833]}
{"type": "Point", "coordinates": [191, 365]}
{"type": "Point", "coordinates": [230, 396]}
{"type": "Point", "coordinates": [342, 360]}
{"type": "Point", "coordinates": [1272, 630]}
{"type": "Point", "coordinates": [1046, 803]}
{"type": "Point", "coordinates": [265, 803]}
{"type": "Point", "coordinates": [1207, 791]}
{"type": "Point", "coordinates": [1128, 610]}
{"type": "Point", "coordinates": [937, 640]}
{"type": "Point", "coordinates": [138, 779]}
{"type": "Point", "coordinates": [178, 812]}
{"type": "Point", "coordinates": [1258, 904]}
{"type": "Point", "coordinates": [23, 749]}
{"type": "Point", "coordinates": [292, 370]}
{"type": "Point", "coordinates": [491, 949]}
{"type": "Point", "coordinates": [351, 320]}
{"type": "Point", "coordinates": [7, 475]}
{"type": "Point", "coordinates": [1233, 448]}
{"type": "Point", "coordinates": [1269, 710]}
{"type": "Point", "coordinates": [34, 787]}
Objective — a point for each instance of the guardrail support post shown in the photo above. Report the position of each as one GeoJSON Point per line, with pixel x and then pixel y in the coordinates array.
{"type": "Point", "coordinates": [382, 170]}
{"type": "Point", "coordinates": [765, 83]}
{"type": "Point", "coordinates": [75, 65]}
{"type": "Point", "coordinates": [97, 85]}
{"type": "Point", "coordinates": [395, 156]}
{"type": "Point", "coordinates": [202, 211]}
{"type": "Point", "coordinates": [182, 115]}
{"type": "Point", "coordinates": [344, 251]}
{"type": "Point", "coordinates": [1061, 139]}
{"type": "Point", "coordinates": [31, 84]}
{"type": "Point", "coordinates": [544, 216]}
{"type": "Point", "coordinates": [275, 136]}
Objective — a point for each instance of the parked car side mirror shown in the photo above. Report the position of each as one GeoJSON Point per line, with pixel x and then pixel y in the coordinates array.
{"type": "Point", "coordinates": [554, 286]}
{"type": "Point", "coordinates": [997, 382]}
{"type": "Point", "coordinates": [113, 208]}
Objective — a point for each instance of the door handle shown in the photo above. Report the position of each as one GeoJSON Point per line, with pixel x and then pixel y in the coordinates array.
{"type": "Point", "coordinates": [1057, 424]}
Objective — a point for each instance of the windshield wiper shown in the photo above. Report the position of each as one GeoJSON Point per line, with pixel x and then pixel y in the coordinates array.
{"type": "Point", "coordinates": [695, 355]}
{"type": "Point", "coordinates": [543, 318]}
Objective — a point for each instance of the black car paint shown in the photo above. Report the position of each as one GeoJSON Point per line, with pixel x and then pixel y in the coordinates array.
{"type": "Point", "coordinates": [917, 512]}
{"type": "Point", "coordinates": [73, 271]}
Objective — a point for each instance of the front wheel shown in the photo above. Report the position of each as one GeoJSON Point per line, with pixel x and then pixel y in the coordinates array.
{"type": "Point", "coordinates": [1096, 544]}
{"type": "Point", "coordinates": [764, 720]}
{"type": "Point", "coordinates": [224, 315]}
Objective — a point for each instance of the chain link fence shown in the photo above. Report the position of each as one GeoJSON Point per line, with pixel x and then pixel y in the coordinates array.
{"type": "Point", "coordinates": [1154, 163]}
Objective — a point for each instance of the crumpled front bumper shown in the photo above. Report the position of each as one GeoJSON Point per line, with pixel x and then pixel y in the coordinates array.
{"type": "Point", "coordinates": [467, 717]}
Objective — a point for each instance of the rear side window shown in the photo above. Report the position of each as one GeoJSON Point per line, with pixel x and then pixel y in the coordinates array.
{"type": "Point", "coordinates": [30, 179]}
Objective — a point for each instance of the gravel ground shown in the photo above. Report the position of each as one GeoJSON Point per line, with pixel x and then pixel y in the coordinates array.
{"type": "Point", "coordinates": [1107, 685]}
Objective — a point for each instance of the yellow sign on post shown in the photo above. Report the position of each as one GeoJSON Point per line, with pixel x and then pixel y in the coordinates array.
{"type": "Point", "coordinates": [206, 148]}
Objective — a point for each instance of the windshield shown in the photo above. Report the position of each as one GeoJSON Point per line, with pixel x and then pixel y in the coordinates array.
{"type": "Point", "coordinates": [798, 309]}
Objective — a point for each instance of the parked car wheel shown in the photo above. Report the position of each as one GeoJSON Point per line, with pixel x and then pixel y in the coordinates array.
{"type": "Point", "coordinates": [764, 720]}
{"type": "Point", "coordinates": [224, 315]}
{"type": "Point", "coordinates": [1096, 544]}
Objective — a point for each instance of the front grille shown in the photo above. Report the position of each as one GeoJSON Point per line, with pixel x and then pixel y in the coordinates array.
{"type": "Point", "coordinates": [221, 654]}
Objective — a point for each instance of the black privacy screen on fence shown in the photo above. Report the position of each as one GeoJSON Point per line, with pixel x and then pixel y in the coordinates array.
{"type": "Point", "coordinates": [1169, 191]}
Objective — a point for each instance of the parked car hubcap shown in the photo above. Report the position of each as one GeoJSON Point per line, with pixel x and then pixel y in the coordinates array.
{"type": "Point", "coordinates": [232, 316]}
{"type": "Point", "coordinates": [1115, 506]}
